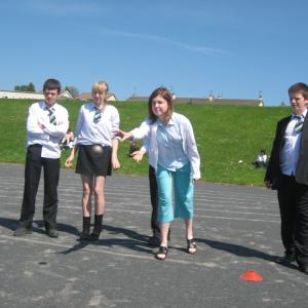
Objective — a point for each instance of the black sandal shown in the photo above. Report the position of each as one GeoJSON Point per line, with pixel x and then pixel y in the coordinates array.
{"type": "Point", "coordinates": [191, 246]}
{"type": "Point", "coordinates": [161, 254]}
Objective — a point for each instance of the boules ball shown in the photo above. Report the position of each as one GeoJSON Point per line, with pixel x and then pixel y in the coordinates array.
{"type": "Point", "coordinates": [97, 149]}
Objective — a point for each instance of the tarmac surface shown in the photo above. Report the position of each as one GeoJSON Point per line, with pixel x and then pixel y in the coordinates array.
{"type": "Point", "coordinates": [236, 227]}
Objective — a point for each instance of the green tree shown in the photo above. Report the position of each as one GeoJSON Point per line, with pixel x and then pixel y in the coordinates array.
{"type": "Point", "coordinates": [31, 87]}
{"type": "Point", "coordinates": [28, 88]}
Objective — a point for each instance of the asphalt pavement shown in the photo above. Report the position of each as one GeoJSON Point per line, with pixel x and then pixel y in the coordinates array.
{"type": "Point", "coordinates": [236, 227]}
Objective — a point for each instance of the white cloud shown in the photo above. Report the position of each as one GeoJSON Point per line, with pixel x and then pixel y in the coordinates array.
{"type": "Point", "coordinates": [164, 40]}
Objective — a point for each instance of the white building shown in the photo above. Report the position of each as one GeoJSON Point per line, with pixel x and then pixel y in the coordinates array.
{"type": "Point", "coordinates": [30, 95]}
{"type": "Point", "coordinates": [21, 95]}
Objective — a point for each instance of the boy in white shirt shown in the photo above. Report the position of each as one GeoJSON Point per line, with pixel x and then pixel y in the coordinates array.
{"type": "Point", "coordinates": [47, 123]}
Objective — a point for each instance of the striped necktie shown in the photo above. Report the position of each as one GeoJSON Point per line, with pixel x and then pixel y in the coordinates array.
{"type": "Point", "coordinates": [52, 116]}
{"type": "Point", "coordinates": [97, 115]}
{"type": "Point", "coordinates": [299, 124]}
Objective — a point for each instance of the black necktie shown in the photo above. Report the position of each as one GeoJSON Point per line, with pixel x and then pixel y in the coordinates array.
{"type": "Point", "coordinates": [97, 115]}
{"type": "Point", "coordinates": [299, 124]}
{"type": "Point", "coordinates": [52, 116]}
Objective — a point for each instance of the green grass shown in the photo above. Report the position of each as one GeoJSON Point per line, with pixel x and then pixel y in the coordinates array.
{"type": "Point", "coordinates": [225, 136]}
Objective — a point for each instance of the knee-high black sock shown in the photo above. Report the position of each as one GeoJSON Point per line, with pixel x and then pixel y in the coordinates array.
{"type": "Point", "coordinates": [86, 223]}
{"type": "Point", "coordinates": [85, 233]}
{"type": "Point", "coordinates": [97, 226]}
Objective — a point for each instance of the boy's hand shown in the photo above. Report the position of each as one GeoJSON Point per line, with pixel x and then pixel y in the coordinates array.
{"type": "Point", "coordinates": [268, 184]}
{"type": "Point", "coordinates": [69, 162]}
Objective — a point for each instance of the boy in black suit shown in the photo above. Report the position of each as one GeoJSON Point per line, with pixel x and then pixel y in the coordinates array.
{"type": "Point", "coordinates": [287, 172]}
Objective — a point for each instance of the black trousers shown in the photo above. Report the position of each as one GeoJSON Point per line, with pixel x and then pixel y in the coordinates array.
{"type": "Point", "coordinates": [154, 200]}
{"type": "Point", "coordinates": [293, 205]}
{"type": "Point", "coordinates": [34, 164]}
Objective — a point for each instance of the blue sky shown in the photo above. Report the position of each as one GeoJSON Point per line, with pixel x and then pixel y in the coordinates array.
{"type": "Point", "coordinates": [234, 48]}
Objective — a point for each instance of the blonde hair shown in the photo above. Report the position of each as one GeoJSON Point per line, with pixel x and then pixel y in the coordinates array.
{"type": "Point", "coordinates": [100, 87]}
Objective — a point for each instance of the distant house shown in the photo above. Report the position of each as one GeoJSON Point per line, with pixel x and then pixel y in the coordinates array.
{"type": "Point", "coordinates": [135, 98]}
{"type": "Point", "coordinates": [30, 95]}
{"type": "Point", "coordinates": [210, 100]}
{"type": "Point", "coordinates": [87, 96]}
{"type": "Point", "coordinates": [66, 95]}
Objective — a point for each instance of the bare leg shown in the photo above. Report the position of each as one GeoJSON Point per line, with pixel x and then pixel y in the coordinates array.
{"type": "Point", "coordinates": [87, 183]}
{"type": "Point", "coordinates": [163, 250]}
{"type": "Point", "coordinates": [164, 229]}
{"type": "Point", "coordinates": [189, 229]}
{"type": "Point", "coordinates": [99, 191]}
{"type": "Point", "coordinates": [191, 244]}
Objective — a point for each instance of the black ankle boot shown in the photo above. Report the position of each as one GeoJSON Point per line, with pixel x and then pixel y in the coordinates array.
{"type": "Point", "coordinates": [97, 227]}
{"type": "Point", "coordinates": [85, 234]}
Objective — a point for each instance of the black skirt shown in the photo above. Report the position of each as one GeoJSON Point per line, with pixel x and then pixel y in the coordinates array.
{"type": "Point", "coordinates": [94, 160]}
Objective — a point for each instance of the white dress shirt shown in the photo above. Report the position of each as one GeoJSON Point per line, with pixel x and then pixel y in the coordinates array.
{"type": "Point", "coordinates": [51, 135]}
{"type": "Point", "coordinates": [103, 132]}
{"type": "Point", "coordinates": [290, 150]}
{"type": "Point", "coordinates": [148, 132]}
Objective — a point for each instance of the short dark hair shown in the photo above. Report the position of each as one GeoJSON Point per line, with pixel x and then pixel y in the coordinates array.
{"type": "Point", "coordinates": [299, 87]}
{"type": "Point", "coordinates": [52, 84]}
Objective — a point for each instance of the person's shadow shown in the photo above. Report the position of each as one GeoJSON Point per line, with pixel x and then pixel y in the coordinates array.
{"type": "Point", "coordinates": [37, 226]}
{"type": "Point", "coordinates": [134, 241]}
{"type": "Point", "coordinates": [243, 251]}
{"type": "Point", "coordinates": [8, 223]}
{"type": "Point", "coordinates": [139, 242]}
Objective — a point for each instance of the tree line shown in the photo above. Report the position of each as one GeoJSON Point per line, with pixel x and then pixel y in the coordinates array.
{"type": "Point", "coordinates": [31, 88]}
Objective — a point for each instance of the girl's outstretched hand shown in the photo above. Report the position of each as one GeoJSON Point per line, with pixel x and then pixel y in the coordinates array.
{"type": "Point", "coordinates": [137, 156]}
{"type": "Point", "coordinates": [124, 135]}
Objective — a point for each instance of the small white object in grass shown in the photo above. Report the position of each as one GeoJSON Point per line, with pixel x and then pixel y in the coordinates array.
{"type": "Point", "coordinates": [240, 161]}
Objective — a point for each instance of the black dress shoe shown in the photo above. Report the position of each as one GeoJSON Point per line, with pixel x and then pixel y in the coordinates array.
{"type": "Point", "coordinates": [52, 233]}
{"type": "Point", "coordinates": [94, 236]}
{"type": "Point", "coordinates": [303, 268]}
{"type": "Point", "coordinates": [287, 258]}
{"type": "Point", "coordinates": [84, 236]}
{"type": "Point", "coordinates": [20, 231]}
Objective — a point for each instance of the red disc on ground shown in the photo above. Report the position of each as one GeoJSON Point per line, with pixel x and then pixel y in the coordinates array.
{"type": "Point", "coordinates": [251, 276]}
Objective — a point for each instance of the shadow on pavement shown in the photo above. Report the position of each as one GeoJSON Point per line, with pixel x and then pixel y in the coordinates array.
{"type": "Point", "coordinates": [37, 226]}
{"type": "Point", "coordinates": [238, 250]}
{"type": "Point", "coordinates": [243, 251]}
{"type": "Point", "coordinates": [135, 240]}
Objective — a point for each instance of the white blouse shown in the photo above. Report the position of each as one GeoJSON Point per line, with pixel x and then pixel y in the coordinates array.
{"type": "Point", "coordinates": [90, 131]}
{"type": "Point", "coordinates": [148, 132]}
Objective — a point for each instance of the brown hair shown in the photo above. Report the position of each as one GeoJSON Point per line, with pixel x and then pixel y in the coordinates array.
{"type": "Point", "coordinates": [166, 94]}
{"type": "Point", "coordinates": [299, 87]}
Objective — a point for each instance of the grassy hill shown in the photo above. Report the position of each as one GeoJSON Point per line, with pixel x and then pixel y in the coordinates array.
{"type": "Point", "coordinates": [225, 136]}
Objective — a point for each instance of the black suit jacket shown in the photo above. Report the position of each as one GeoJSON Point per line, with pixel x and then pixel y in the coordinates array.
{"type": "Point", "coordinates": [273, 172]}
